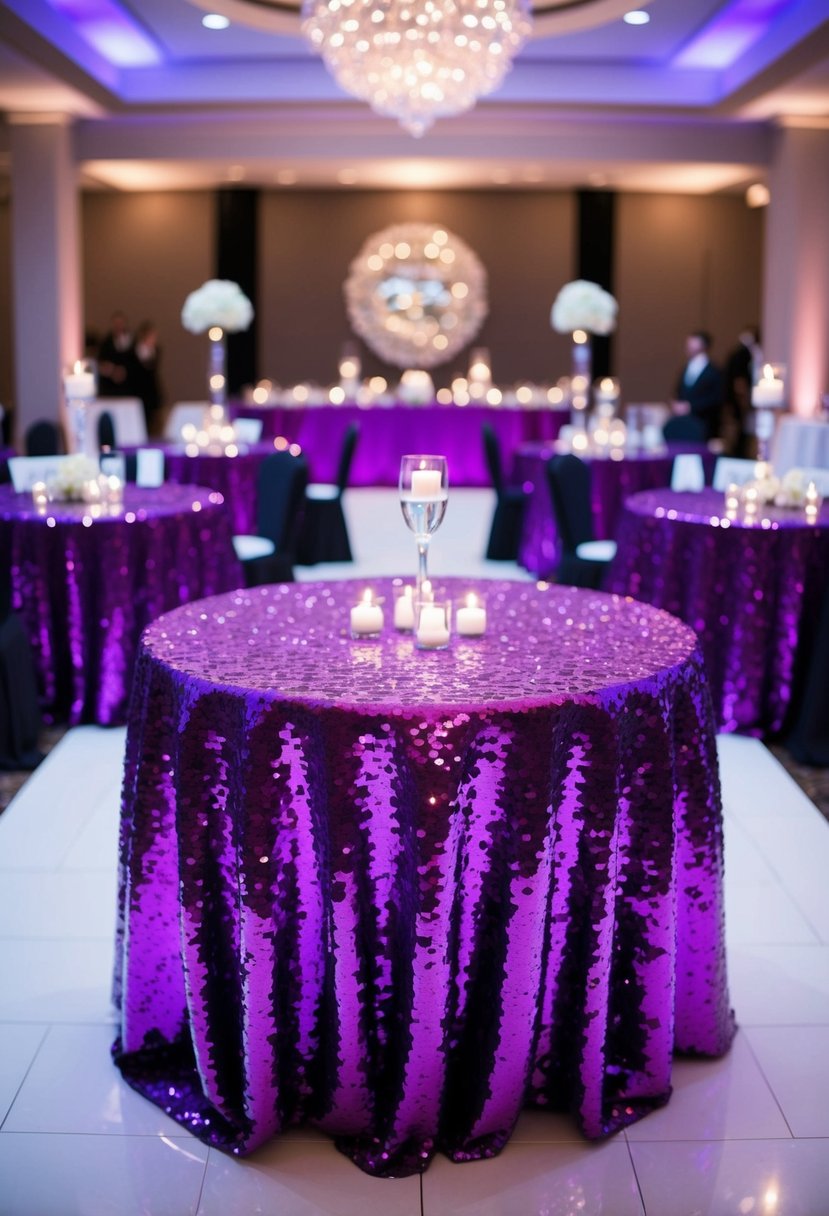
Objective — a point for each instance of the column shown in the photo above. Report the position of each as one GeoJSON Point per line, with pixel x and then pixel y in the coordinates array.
{"type": "Point", "coordinates": [796, 286]}
{"type": "Point", "coordinates": [46, 273]}
{"type": "Point", "coordinates": [237, 236]}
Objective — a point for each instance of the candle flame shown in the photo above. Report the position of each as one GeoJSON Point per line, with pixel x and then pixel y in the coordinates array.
{"type": "Point", "coordinates": [472, 600]}
{"type": "Point", "coordinates": [768, 371]}
{"type": "Point", "coordinates": [368, 595]}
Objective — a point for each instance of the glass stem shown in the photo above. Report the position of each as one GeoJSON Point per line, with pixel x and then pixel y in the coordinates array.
{"type": "Point", "coordinates": [422, 551]}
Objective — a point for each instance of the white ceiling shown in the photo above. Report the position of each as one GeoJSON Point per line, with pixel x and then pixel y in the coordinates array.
{"type": "Point", "coordinates": [684, 103]}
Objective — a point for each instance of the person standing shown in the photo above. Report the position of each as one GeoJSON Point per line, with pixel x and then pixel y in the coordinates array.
{"type": "Point", "coordinates": [114, 359]}
{"type": "Point", "coordinates": [699, 390]}
{"type": "Point", "coordinates": [143, 373]}
{"type": "Point", "coordinates": [740, 370]}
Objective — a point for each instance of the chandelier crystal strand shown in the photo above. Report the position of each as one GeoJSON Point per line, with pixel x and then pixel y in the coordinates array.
{"type": "Point", "coordinates": [417, 60]}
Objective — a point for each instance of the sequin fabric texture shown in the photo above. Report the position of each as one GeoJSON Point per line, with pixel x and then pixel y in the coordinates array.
{"type": "Point", "coordinates": [86, 581]}
{"type": "Point", "coordinates": [234, 476]}
{"type": "Point", "coordinates": [401, 894]}
{"type": "Point", "coordinates": [751, 587]}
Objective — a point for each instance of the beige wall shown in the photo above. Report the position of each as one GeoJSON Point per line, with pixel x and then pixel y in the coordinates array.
{"type": "Point", "coordinates": [308, 240]}
{"type": "Point", "coordinates": [143, 254]}
{"type": "Point", "coordinates": [683, 262]}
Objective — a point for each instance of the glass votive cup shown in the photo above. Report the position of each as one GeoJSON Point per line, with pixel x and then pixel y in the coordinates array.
{"type": "Point", "coordinates": [40, 495]}
{"type": "Point", "coordinates": [433, 620]}
{"type": "Point", "coordinates": [732, 497]}
{"type": "Point", "coordinates": [404, 608]}
{"type": "Point", "coordinates": [366, 617]}
{"type": "Point", "coordinates": [470, 616]}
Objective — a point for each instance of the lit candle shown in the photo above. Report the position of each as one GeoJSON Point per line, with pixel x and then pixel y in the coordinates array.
{"type": "Point", "coordinates": [471, 618]}
{"type": "Point", "coordinates": [367, 616]}
{"type": "Point", "coordinates": [40, 496]}
{"type": "Point", "coordinates": [432, 627]}
{"type": "Point", "coordinates": [79, 385]}
{"type": "Point", "coordinates": [811, 501]}
{"type": "Point", "coordinates": [732, 497]}
{"type": "Point", "coordinates": [768, 391]}
{"type": "Point", "coordinates": [751, 498]}
{"type": "Point", "coordinates": [426, 485]}
{"type": "Point", "coordinates": [404, 609]}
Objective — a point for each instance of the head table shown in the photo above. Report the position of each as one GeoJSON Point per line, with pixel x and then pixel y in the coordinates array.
{"type": "Point", "coordinates": [389, 432]}
{"type": "Point", "coordinates": [401, 894]}
{"type": "Point", "coordinates": [751, 586]}
{"type": "Point", "coordinates": [86, 580]}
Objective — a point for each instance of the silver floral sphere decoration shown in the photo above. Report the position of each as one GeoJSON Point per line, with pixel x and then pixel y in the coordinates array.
{"type": "Point", "coordinates": [417, 60]}
{"type": "Point", "coordinates": [416, 294]}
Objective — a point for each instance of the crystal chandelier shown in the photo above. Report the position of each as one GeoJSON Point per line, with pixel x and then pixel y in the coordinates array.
{"type": "Point", "coordinates": [417, 60]}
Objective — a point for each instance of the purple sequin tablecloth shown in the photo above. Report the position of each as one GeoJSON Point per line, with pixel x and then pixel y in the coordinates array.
{"type": "Point", "coordinates": [400, 895]}
{"type": "Point", "coordinates": [611, 482]}
{"type": "Point", "coordinates": [235, 477]}
{"type": "Point", "coordinates": [86, 585]}
{"type": "Point", "coordinates": [751, 590]}
{"type": "Point", "coordinates": [389, 432]}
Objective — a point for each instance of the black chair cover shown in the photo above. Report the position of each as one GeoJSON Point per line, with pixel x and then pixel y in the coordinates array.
{"type": "Point", "coordinates": [569, 480]}
{"type": "Point", "coordinates": [280, 500]}
{"type": "Point", "coordinates": [43, 439]}
{"type": "Point", "coordinates": [510, 502]}
{"type": "Point", "coordinates": [324, 535]}
{"type": "Point", "coordinates": [684, 428]}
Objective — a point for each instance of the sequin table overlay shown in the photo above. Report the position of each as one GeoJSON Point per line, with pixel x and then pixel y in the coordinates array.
{"type": "Point", "coordinates": [86, 580]}
{"type": "Point", "coordinates": [751, 587]}
{"type": "Point", "coordinates": [400, 895]}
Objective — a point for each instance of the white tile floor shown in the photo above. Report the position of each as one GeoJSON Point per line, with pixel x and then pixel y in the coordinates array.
{"type": "Point", "coordinates": [747, 1135]}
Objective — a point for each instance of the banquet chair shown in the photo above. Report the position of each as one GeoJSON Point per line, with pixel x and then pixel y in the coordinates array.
{"type": "Point", "coordinates": [684, 428]}
{"type": "Point", "coordinates": [269, 555]}
{"type": "Point", "coordinates": [510, 503]}
{"type": "Point", "coordinates": [324, 533]}
{"type": "Point", "coordinates": [19, 710]}
{"type": "Point", "coordinates": [584, 559]}
{"type": "Point", "coordinates": [42, 439]}
{"type": "Point", "coordinates": [106, 431]}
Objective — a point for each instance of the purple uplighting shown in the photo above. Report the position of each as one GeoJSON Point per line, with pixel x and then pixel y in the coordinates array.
{"type": "Point", "coordinates": [730, 34]}
{"type": "Point", "coordinates": [108, 29]}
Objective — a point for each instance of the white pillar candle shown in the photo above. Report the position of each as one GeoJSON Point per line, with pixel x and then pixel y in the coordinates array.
{"type": "Point", "coordinates": [767, 393]}
{"type": "Point", "coordinates": [79, 386]}
{"type": "Point", "coordinates": [404, 609]}
{"type": "Point", "coordinates": [367, 616]}
{"type": "Point", "coordinates": [432, 629]}
{"type": "Point", "coordinates": [470, 620]}
{"type": "Point", "coordinates": [426, 485]}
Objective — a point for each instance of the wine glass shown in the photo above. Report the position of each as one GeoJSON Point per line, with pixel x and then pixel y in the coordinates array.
{"type": "Point", "coordinates": [424, 490]}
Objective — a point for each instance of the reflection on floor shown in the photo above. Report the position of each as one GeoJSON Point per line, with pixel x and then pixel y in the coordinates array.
{"type": "Point", "coordinates": [748, 1134]}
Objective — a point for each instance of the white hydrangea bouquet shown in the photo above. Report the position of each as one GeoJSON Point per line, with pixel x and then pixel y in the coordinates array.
{"type": "Point", "coordinates": [217, 302]}
{"type": "Point", "coordinates": [792, 487]}
{"type": "Point", "coordinates": [584, 305]}
{"type": "Point", "coordinates": [72, 478]}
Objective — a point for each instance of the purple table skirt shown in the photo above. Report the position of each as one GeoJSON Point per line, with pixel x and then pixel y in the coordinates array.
{"type": "Point", "coordinates": [400, 895]}
{"type": "Point", "coordinates": [86, 587]}
{"type": "Point", "coordinates": [752, 591]}
{"type": "Point", "coordinates": [235, 477]}
{"type": "Point", "coordinates": [611, 482]}
{"type": "Point", "coordinates": [387, 433]}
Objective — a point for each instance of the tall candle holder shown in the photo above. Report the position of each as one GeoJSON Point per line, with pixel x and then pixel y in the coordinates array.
{"type": "Point", "coordinates": [768, 396]}
{"type": "Point", "coordinates": [80, 386]}
{"type": "Point", "coordinates": [424, 491]}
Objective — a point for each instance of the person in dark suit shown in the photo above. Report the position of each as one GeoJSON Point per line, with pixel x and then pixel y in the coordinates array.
{"type": "Point", "coordinates": [115, 359]}
{"type": "Point", "coordinates": [699, 390]}
{"type": "Point", "coordinates": [143, 373]}
{"type": "Point", "coordinates": [739, 377]}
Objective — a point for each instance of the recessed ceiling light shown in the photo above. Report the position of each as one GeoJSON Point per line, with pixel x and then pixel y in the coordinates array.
{"type": "Point", "coordinates": [215, 21]}
{"type": "Point", "coordinates": [637, 16]}
{"type": "Point", "coordinates": [758, 195]}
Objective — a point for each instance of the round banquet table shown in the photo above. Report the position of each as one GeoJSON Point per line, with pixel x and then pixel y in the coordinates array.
{"type": "Point", "coordinates": [87, 580]}
{"type": "Point", "coordinates": [751, 589]}
{"type": "Point", "coordinates": [401, 894]}
{"type": "Point", "coordinates": [235, 477]}
{"type": "Point", "coordinates": [611, 482]}
{"type": "Point", "coordinates": [389, 432]}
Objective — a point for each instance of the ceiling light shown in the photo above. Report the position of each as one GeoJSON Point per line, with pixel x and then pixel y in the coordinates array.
{"type": "Point", "coordinates": [637, 16]}
{"type": "Point", "coordinates": [758, 195]}
{"type": "Point", "coordinates": [215, 21]}
{"type": "Point", "coordinates": [419, 61]}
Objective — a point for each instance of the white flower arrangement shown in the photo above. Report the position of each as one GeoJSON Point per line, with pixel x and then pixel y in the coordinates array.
{"type": "Point", "coordinates": [217, 302]}
{"type": "Point", "coordinates": [584, 305]}
{"type": "Point", "coordinates": [72, 477]}
{"type": "Point", "coordinates": [792, 488]}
